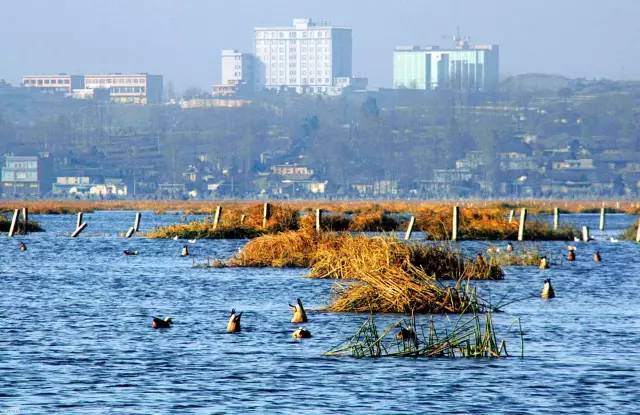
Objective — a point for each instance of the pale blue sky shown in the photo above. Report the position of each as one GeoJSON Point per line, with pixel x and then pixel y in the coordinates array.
{"type": "Point", "coordinates": [182, 39]}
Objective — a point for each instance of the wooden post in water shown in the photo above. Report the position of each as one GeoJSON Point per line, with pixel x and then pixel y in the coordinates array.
{"type": "Point", "coordinates": [585, 233]}
{"type": "Point", "coordinates": [318, 220]}
{"type": "Point", "coordinates": [523, 221]}
{"type": "Point", "coordinates": [602, 219]}
{"type": "Point", "coordinates": [638, 232]}
{"type": "Point", "coordinates": [242, 217]}
{"type": "Point", "coordinates": [78, 230]}
{"type": "Point", "coordinates": [407, 234]}
{"type": "Point", "coordinates": [512, 212]}
{"type": "Point", "coordinates": [79, 220]}
{"type": "Point", "coordinates": [265, 214]}
{"type": "Point", "coordinates": [556, 218]}
{"type": "Point", "coordinates": [25, 219]}
{"type": "Point", "coordinates": [14, 223]}
{"type": "Point", "coordinates": [216, 216]}
{"type": "Point", "coordinates": [454, 223]}
{"type": "Point", "coordinates": [136, 223]}
{"type": "Point", "coordinates": [130, 232]}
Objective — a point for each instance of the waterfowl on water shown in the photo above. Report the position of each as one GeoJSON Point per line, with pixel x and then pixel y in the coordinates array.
{"type": "Point", "coordinates": [158, 323]}
{"type": "Point", "coordinates": [192, 241]}
{"type": "Point", "coordinates": [301, 333]}
{"type": "Point", "coordinates": [22, 246]}
{"type": "Point", "coordinates": [299, 315]}
{"type": "Point", "coordinates": [233, 326]}
{"type": "Point", "coordinates": [175, 238]}
{"type": "Point", "coordinates": [130, 252]}
{"type": "Point", "coordinates": [406, 334]}
{"type": "Point", "coordinates": [597, 257]}
{"type": "Point", "coordinates": [613, 240]}
{"type": "Point", "coordinates": [571, 254]}
{"type": "Point", "coordinates": [576, 239]}
{"type": "Point", "coordinates": [547, 290]}
{"type": "Point", "coordinates": [509, 248]}
{"type": "Point", "coordinates": [544, 264]}
{"type": "Point", "coordinates": [185, 251]}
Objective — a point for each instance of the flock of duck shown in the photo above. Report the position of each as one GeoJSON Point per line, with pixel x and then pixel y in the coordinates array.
{"type": "Point", "coordinates": [547, 289]}
{"type": "Point", "coordinates": [300, 316]}
{"type": "Point", "coordinates": [233, 324]}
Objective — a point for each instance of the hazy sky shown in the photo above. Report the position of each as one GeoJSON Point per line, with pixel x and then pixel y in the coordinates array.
{"type": "Point", "coordinates": [181, 39]}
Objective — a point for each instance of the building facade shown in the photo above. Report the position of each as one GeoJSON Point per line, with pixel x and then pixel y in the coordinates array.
{"type": "Point", "coordinates": [54, 82]}
{"type": "Point", "coordinates": [306, 57]}
{"type": "Point", "coordinates": [237, 74]}
{"type": "Point", "coordinates": [24, 176]}
{"type": "Point", "coordinates": [136, 88]}
{"type": "Point", "coordinates": [463, 68]}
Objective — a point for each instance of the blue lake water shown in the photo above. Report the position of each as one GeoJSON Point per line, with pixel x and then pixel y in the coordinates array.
{"type": "Point", "coordinates": [75, 317]}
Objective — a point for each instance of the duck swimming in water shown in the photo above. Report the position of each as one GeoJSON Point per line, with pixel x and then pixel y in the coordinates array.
{"type": "Point", "coordinates": [547, 290]}
{"type": "Point", "coordinates": [406, 334]}
{"type": "Point", "coordinates": [571, 253]}
{"type": "Point", "coordinates": [597, 257]}
{"type": "Point", "coordinates": [544, 264]}
{"type": "Point", "coordinates": [130, 252]}
{"type": "Point", "coordinates": [509, 248]}
{"type": "Point", "coordinates": [185, 251]}
{"type": "Point", "coordinates": [158, 323]}
{"type": "Point", "coordinates": [299, 315]}
{"type": "Point", "coordinates": [22, 246]}
{"type": "Point", "coordinates": [233, 326]}
{"type": "Point", "coordinates": [301, 333]}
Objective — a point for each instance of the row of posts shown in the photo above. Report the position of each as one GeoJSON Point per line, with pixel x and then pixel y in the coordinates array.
{"type": "Point", "coordinates": [266, 213]}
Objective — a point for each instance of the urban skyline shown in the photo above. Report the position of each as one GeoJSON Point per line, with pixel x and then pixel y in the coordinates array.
{"type": "Point", "coordinates": [129, 47]}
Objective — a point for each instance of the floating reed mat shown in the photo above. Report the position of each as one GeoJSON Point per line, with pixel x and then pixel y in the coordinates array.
{"type": "Point", "coordinates": [358, 257]}
{"type": "Point", "coordinates": [470, 337]}
{"type": "Point", "coordinates": [345, 256]}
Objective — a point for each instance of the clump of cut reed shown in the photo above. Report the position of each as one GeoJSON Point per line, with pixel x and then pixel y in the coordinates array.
{"type": "Point", "coordinates": [240, 223]}
{"type": "Point", "coordinates": [485, 224]}
{"type": "Point", "coordinates": [285, 249]}
{"type": "Point", "coordinates": [373, 221]}
{"type": "Point", "coordinates": [329, 221]}
{"type": "Point", "coordinates": [399, 292]}
{"type": "Point", "coordinates": [350, 256]}
{"type": "Point", "coordinates": [473, 337]}
{"type": "Point", "coordinates": [204, 230]}
{"type": "Point", "coordinates": [32, 226]}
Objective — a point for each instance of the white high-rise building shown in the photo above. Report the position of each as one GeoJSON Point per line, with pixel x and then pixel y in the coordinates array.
{"type": "Point", "coordinates": [237, 75]}
{"type": "Point", "coordinates": [237, 67]}
{"type": "Point", "coordinates": [308, 57]}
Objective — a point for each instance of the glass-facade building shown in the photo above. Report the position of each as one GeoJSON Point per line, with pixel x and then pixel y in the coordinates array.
{"type": "Point", "coordinates": [464, 68]}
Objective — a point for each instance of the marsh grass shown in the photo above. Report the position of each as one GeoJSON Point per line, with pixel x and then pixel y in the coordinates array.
{"type": "Point", "coordinates": [486, 224]}
{"type": "Point", "coordinates": [630, 233]}
{"type": "Point", "coordinates": [468, 337]}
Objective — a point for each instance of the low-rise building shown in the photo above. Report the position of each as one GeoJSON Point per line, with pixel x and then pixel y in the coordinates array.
{"type": "Point", "coordinates": [54, 82]}
{"type": "Point", "coordinates": [26, 176]}
{"type": "Point", "coordinates": [133, 88]}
